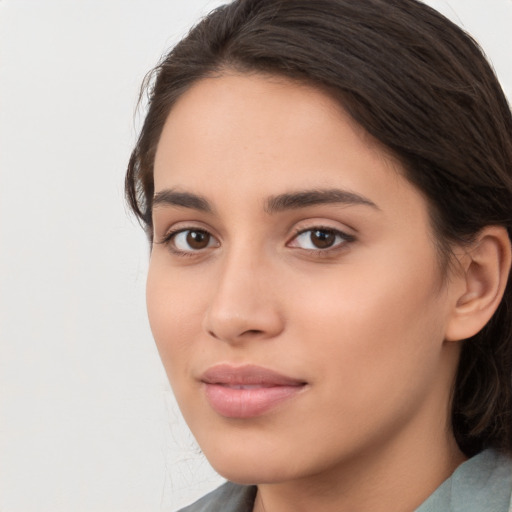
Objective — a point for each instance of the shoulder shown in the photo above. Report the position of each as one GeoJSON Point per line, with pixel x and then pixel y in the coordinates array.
{"type": "Point", "coordinates": [229, 497]}
{"type": "Point", "coordinates": [484, 482]}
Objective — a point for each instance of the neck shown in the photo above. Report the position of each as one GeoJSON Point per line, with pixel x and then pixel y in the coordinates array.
{"type": "Point", "coordinates": [397, 478]}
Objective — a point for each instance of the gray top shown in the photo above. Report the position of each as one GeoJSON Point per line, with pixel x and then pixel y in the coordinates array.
{"type": "Point", "coordinates": [229, 497]}
{"type": "Point", "coordinates": [481, 484]}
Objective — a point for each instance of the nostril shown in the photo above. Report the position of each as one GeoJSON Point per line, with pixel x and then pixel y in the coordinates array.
{"type": "Point", "coordinates": [248, 332]}
{"type": "Point", "coordinates": [252, 331]}
{"type": "Point", "coordinates": [226, 322]}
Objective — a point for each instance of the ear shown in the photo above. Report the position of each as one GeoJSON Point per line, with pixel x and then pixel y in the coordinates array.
{"type": "Point", "coordinates": [485, 267]}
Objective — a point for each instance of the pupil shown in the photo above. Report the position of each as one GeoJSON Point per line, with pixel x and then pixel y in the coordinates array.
{"type": "Point", "coordinates": [198, 239]}
{"type": "Point", "coordinates": [322, 239]}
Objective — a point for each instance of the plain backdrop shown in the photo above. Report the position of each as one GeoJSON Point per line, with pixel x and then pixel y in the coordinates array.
{"type": "Point", "coordinates": [87, 419]}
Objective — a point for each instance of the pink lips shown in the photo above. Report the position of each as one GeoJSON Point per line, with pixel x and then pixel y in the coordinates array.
{"type": "Point", "coordinates": [247, 391]}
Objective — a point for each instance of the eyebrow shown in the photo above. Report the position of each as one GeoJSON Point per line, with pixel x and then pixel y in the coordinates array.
{"type": "Point", "coordinates": [274, 204]}
{"type": "Point", "coordinates": [303, 199]}
{"type": "Point", "coordinates": [169, 197]}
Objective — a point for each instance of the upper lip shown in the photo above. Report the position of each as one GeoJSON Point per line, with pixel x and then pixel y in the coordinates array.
{"type": "Point", "coordinates": [248, 375]}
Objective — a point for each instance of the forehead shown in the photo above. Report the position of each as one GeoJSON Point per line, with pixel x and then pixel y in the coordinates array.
{"type": "Point", "coordinates": [248, 135]}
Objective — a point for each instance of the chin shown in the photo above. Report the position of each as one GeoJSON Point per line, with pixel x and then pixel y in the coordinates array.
{"type": "Point", "coordinates": [247, 466]}
{"type": "Point", "coordinates": [257, 473]}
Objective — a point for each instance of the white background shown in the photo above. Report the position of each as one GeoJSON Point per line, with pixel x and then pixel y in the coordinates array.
{"type": "Point", "coordinates": [87, 420]}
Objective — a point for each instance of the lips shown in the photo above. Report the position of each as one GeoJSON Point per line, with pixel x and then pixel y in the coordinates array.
{"type": "Point", "coordinates": [247, 391]}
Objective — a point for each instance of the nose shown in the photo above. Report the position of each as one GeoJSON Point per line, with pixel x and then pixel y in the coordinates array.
{"type": "Point", "coordinates": [244, 304]}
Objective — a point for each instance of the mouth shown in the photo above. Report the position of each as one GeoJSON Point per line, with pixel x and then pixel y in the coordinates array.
{"type": "Point", "coordinates": [247, 391]}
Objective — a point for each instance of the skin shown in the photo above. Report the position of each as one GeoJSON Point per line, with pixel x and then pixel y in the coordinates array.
{"type": "Point", "coordinates": [364, 322]}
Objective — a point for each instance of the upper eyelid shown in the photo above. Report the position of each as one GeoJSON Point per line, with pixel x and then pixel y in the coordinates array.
{"type": "Point", "coordinates": [347, 236]}
{"type": "Point", "coordinates": [336, 223]}
{"type": "Point", "coordinates": [320, 227]}
{"type": "Point", "coordinates": [298, 228]}
{"type": "Point", "coordinates": [168, 241]}
{"type": "Point", "coordinates": [345, 231]}
{"type": "Point", "coordinates": [172, 232]}
{"type": "Point", "coordinates": [326, 252]}
{"type": "Point", "coordinates": [185, 225]}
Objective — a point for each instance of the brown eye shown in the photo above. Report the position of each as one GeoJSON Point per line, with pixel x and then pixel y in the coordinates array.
{"type": "Point", "coordinates": [322, 238]}
{"type": "Point", "coordinates": [198, 239]}
{"type": "Point", "coordinates": [190, 240]}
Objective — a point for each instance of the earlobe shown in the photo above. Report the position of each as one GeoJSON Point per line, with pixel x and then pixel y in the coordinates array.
{"type": "Point", "coordinates": [485, 272]}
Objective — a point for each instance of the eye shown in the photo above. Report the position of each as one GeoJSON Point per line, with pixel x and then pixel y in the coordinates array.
{"type": "Point", "coordinates": [189, 240]}
{"type": "Point", "coordinates": [319, 238]}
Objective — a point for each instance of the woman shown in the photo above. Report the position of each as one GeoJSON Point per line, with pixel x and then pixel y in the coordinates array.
{"type": "Point", "coordinates": [327, 188]}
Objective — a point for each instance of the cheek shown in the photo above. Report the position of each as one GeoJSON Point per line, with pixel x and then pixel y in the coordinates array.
{"type": "Point", "coordinates": [374, 332]}
{"type": "Point", "coordinates": [175, 316]}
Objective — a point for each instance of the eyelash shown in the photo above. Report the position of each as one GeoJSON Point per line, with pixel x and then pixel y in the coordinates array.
{"type": "Point", "coordinates": [328, 251]}
{"type": "Point", "coordinates": [168, 238]}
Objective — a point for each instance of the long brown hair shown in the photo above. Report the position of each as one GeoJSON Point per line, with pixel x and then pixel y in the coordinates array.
{"type": "Point", "coordinates": [418, 84]}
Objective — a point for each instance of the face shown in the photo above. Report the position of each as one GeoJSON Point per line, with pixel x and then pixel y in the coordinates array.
{"type": "Point", "coordinates": [294, 290]}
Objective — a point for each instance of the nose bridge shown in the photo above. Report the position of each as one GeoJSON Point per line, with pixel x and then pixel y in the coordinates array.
{"type": "Point", "coordinates": [243, 304]}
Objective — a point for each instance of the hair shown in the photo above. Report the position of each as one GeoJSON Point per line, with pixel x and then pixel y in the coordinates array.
{"type": "Point", "coordinates": [416, 83]}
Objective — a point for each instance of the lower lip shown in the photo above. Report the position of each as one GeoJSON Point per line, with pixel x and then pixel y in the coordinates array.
{"type": "Point", "coordinates": [247, 403]}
